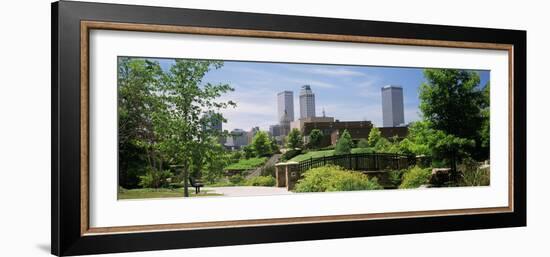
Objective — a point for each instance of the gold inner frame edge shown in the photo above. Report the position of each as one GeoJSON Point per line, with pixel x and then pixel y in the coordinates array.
{"type": "Point", "coordinates": [86, 26]}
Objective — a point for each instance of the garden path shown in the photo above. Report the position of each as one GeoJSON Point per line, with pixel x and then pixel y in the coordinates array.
{"type": "Point", "coordinates": [248, 190]}
{"type": "Point", "coordinates": [271, 162]}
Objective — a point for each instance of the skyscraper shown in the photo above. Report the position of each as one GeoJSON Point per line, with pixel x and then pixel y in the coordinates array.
{"type": "Point", "coordinates": [285, 109]}
{"type": "Point", "coordinates": [275, 130]}
{"type": "Point", "coordinates": [392, 106]}
{"type": "Point", "coordinates": [307, 102]}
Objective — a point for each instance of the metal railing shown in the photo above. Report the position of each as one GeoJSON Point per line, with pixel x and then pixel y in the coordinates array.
{"type": "Point", "coordinates": [361, 161]}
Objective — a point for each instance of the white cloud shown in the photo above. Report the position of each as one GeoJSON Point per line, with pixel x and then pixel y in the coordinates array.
{"type": "Point", "coordinates": [256, 95]}
{"type": "Point", "coordinates": [308, 81]}
{"type": "Point", "coordinates": [370, 88]}
{"type": "Point", "coordinates": [337, 72]}
{"type": "Point", "coordinates": [275, 79]}
{"type": "Point", "coordinates": [255, 107]}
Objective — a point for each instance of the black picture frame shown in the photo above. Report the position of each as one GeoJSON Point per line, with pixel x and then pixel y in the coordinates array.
{"type": "Point", "coordinates": [66, 234]}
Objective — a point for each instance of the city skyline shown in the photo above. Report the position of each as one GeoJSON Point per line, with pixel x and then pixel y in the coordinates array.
{"type": "Point", "coordinates": [342, 91]}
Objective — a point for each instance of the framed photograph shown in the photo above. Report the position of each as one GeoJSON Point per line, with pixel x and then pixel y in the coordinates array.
{"type": "Point", "coordinates": [178, 128]}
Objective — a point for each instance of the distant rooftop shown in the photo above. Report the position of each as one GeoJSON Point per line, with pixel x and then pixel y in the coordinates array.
{"type": "Point", "coordinates": [392, 86]}
{"type": "Point", "coordinates": [306, 90]}
{"type": "Point", "coordinates": [284, 92]}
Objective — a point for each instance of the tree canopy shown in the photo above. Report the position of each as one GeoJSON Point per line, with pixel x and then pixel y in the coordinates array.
{"type": "Point", "coordinates": [452, 101]}
{"type": "Point", "coordinates": [315, 138]}
{"type": "Point", "coordinates": [261, 144]}
{"type": "Point", "coordinates": [294, 139]}
{"type": "Point", "coordinates": [344, 144]}
{"type": "Point", "coordinates": [168, 114]}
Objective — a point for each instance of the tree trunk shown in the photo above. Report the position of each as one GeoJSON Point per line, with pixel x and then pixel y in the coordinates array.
{"type": "Point", "coordinates": [185, 182]}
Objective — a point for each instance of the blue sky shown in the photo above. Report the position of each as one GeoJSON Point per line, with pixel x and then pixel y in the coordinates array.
{"type": "Point", "coordinates": [345, 92]}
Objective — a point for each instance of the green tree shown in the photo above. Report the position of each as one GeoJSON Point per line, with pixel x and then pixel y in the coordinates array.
{"type": "Point", "coordinates": [449, 148]}
{"type": "Point", "coordinates": [214, 162]}
{"type": "Point", "coordinates": [393, 145]}
{"type": "Point", "coordinates": [190, 108]}
{"type": "Point", "coordinates": [138, 143]}
{"type": "Point", "coordinates": [248, 152]}
{"type": "Point", "coordinates": [374, 136]}
{"type": "Point", "coordinates": [274, 145]}
{"type": "Point", "coordinates": [425, 140]}
{"type": "Point", "coordinates": [485, 113]}
{"type": "Point", "coordinates": [344, 144]}
{"type": "Point", "coordinates": [444, 148]}
{"type": "Point", "coordinates": [166, 117]}
{"type": "Point", "coordinates": [294, 139]}
{"type": "Point", "coordinates": [378, 142]}
{"type": "Point", "coordinates": [418, 140]}
{"type": "Point", "coordinates": [261, 144]}
{"type": "Point", "coordinates": [315, 138]}
{"type": "Point", "coordinates": [452, 101]}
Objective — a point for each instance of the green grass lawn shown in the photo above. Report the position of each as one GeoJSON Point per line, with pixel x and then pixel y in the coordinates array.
{"type": "Point", "coordinates": [142, 193]}
{"type": "Point", "coordinates": [319, 154]}
{"type": "Point", "coordinates": [247, 164]}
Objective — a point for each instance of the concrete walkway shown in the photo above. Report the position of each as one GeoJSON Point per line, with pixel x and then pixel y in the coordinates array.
{"type": "Point", "coordinates": [248, 190]}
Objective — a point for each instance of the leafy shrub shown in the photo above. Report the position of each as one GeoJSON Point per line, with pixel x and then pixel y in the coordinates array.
{"type": "Point", "coordinates": [248, 152]}
{"type": "Point", "coordinates": [471, 174]}
{"type": "Point", "coordinates": [290, 154]}
{"type": "Point", "coordinates": [363, 143]}
{"type": "Point", "coordinates": [334, 178]}
{"type": "Point", "coordinates": [396, 177]}
{"type": "Point", "coordinates": [236, 156]}
{"type": "Point", "coordinates": [344, 144]}
{"type": "Point", "coordinates": [261, 181]}
{"type": "Point", "coordinates": [416, 177]}
{"type": "Point", "coordinates": [236, 179]}
{"type": "Point", "coordinates": [155, 179]}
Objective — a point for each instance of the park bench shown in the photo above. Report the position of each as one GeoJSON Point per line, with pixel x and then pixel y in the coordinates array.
{"type": "Point", "coordinates": [196, 184]}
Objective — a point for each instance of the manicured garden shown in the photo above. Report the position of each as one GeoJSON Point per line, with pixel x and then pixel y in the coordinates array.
{"type": "Point", "coordinates": [247, 164]}
{"type": "Point", "coordinates": [326, 153]}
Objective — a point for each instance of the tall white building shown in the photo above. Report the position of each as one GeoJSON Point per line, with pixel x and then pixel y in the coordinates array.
{"type": "Point", "coordinates": [307, 102]}
{"type": "Point", "coordinates": [285, 110]}
{"type": "Point", "coordinates": [393, 114]}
